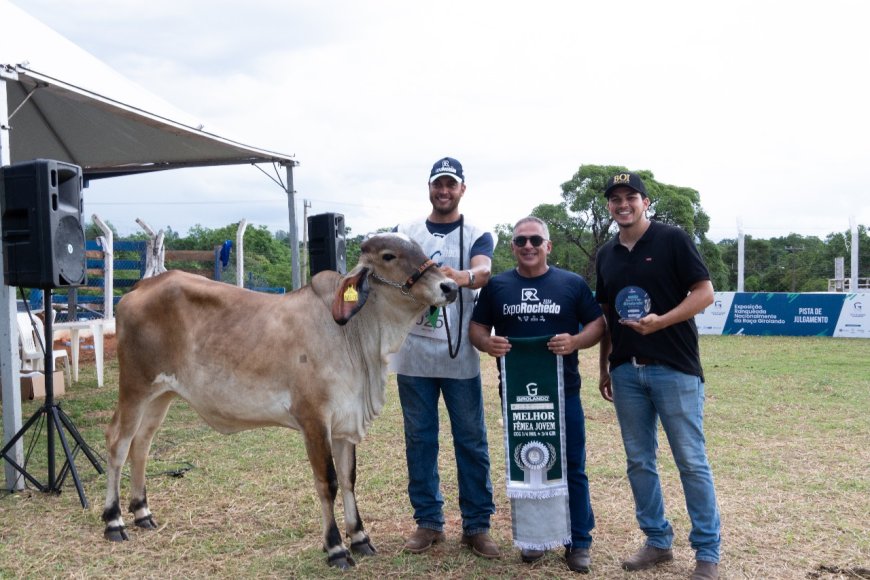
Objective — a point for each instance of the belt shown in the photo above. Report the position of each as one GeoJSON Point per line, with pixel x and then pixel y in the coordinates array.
{"type": "Point", "coordinates": [642, 361]}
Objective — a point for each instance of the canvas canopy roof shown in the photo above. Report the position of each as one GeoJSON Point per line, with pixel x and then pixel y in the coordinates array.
{"type": "Point", "coordinates": [65, 104]}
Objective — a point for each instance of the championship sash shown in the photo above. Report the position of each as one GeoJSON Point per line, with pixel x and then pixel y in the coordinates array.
{"type": "Point", "coordinates": [533, 406]}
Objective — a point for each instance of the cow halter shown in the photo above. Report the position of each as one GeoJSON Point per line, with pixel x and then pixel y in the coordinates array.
{"type": "Point", "coordinates": [412, 279]}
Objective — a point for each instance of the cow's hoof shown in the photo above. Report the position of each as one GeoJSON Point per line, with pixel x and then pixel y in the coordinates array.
{"type": "Point", "coordinates": [115, 534]}
{"type": "Point", "coordinates": [363, 547]}
{"type": "Point", "coordinates": [341, 560]}
{"type": "Point", "coordinates": [146, 522]}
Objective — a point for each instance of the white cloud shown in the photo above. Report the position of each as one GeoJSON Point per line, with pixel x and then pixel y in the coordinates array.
{"type": "Point", "coordinates": [759, 106]}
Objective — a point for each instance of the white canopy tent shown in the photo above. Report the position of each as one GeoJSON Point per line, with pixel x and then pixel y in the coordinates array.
{"type": "Point", "coordinates": [59, 102]}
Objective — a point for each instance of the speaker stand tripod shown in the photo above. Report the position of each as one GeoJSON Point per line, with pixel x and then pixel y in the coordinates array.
{"type": "Point", "coordinates": [56, 421]}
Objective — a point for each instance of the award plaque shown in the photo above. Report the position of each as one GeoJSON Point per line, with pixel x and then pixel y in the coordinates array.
{"type": "Point", "coordinates": [632, 303]}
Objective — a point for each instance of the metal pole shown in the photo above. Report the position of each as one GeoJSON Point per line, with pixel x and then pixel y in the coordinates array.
{"type": "Point", "coordinates": [740, 252]}
{"type": "Point", "coordinates": [10, 362]}
{"type": "Point", "coordinates": [240, 253]}
{"type": "Point", "coordinates": [108, 268]}
{"type": "Point", "coordinates": [305, 205]}
{"type": "Point", "coordinates": [294, 233]}
{"type": "Point", "coordinates": [853, 272]}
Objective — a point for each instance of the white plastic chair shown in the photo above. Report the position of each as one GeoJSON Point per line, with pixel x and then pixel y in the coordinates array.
{"type": "Point", "coordinates": [31, 355]}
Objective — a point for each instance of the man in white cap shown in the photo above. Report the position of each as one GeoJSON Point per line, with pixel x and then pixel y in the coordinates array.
{"type": "Point", "coordinates": [437, 359]}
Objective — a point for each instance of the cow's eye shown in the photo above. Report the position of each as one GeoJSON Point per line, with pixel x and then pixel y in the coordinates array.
{"type": "Point", "coordinates": [388, 257]}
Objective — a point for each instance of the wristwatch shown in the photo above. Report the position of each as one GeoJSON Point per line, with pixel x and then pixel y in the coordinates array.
{"type": "Point", "coordinates": [470, 278]}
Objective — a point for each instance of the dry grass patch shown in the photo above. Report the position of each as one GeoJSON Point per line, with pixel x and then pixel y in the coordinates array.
{"type": "Point", "coordinates": [788, 437]}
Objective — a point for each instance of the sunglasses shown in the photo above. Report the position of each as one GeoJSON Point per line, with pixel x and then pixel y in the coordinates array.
{"type": "Point", "coordinates": [520, 241]}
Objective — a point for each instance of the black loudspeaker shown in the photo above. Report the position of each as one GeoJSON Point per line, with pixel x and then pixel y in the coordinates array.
{"type": "Point", "coordinates": [43, 231]}
{"type": "Point", "coordinates": [327, 245]}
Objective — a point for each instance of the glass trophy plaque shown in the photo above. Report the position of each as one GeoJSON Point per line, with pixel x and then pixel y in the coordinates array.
{"type": "Point", "coordinates": [632, 303]}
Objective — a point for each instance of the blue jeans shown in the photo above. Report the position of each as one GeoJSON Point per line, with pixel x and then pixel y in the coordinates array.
{"type": "Point", "coordinates": [579, 504]}
{"type": "Point", "coordinates": [464, 401]}
{"type": "Point", "coordinates": [642, 395]}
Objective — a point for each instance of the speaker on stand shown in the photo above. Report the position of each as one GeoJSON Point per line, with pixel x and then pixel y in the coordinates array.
{"type": "Point", "coordinates": [44, 247]}
{"type": "Point", "coordinates": [327, 243]}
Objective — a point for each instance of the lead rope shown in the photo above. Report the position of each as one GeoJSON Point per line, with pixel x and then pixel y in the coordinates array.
{"type": "Point", "coordinates": [450, 351]}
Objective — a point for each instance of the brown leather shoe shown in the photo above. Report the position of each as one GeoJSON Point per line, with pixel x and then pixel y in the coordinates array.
{"type": "Point", "coordinates": [705, 571]}
{"type": "Point", "coordinates": [422, 540]}
{"type": "Point", "coordinates": [578, 560]}
{"type": "Point", "coordinates": [482, 545]}
{"type": "Point", "coordinates": [647, 557]}
{"type": "Point", "coordinates": [531, 556]}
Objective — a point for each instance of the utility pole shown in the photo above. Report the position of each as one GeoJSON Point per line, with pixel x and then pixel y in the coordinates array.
{"type": "Point", "coordinates": [792, 250]}
{"type": "Point", "coordinates": [305, 205]}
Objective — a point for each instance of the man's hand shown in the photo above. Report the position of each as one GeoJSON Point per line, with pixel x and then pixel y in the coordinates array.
{"type": "Point", "coordinates": [562, 344]}
{"type": "Point", "coordinates": [606, 387]}
{"type": "Point", "coordinates": [496, 346]}
{"type": "Point", "coordinates": [646, 325]}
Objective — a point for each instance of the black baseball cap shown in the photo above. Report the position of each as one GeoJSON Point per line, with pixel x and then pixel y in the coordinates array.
{"type": "Point", "coordinates": [631, 180]}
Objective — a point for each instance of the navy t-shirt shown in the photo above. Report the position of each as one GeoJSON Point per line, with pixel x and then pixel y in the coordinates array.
{"type": "Point", "coordinates": [555, 302]}
{"type": "Point", "coordinates": [665, 263]}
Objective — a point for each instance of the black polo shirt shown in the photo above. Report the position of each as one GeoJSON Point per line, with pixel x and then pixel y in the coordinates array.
{"type": "Point", "coordinates": [665, 263]}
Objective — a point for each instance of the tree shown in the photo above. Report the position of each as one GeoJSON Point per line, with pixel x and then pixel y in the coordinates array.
{"type": "Point", "coordinates": [584, 221]}
{"type": "Point", "coordinates": [93, 231]}
{"type": "Point", "coordinates": [267, 259]}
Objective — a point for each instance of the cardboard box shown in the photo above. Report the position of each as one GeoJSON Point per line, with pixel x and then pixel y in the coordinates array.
{"type": "Point", "coordinates": [33, 385]}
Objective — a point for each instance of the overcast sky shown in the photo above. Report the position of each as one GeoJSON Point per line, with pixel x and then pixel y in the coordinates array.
{"type": "Point", "coordinates": [762, 106]}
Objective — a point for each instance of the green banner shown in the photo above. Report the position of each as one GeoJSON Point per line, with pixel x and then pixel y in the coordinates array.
{"type": "Point", "coordinates": [533, 408]}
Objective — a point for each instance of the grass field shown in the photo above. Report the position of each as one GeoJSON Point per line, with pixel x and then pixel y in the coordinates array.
{"type": "Point", "coordinates": [788, 437]}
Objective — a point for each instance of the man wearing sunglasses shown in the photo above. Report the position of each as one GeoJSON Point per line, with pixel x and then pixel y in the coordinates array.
{"type": "Point", "coordinates": [570, 305]}
{"type": "Point", "coordinates": [651, 281]}
{"type": "Point", "coordinates": [438, 360]}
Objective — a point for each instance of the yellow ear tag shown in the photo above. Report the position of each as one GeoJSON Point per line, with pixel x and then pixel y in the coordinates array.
{"type": "Point", "coordinates": [350, 294]}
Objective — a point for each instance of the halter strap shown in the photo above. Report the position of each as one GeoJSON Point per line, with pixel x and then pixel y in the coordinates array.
{"type": "Point", "coordinates": [413, 278]}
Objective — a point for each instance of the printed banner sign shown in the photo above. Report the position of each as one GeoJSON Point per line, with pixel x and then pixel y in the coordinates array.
{"type": "Point", "coordinates": [787, 314]}
{"type": "Point", "coordinates": [534, 435]}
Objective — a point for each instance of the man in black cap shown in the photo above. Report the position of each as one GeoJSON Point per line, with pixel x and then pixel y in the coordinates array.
{"type": "Point", "coordinates": [651, 282]}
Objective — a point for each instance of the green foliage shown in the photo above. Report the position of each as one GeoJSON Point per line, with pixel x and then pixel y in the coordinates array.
{"type": "Point", "coordinates": [502, 258]}
{"type": "Point", "coordinates": [267, 259]}
{"type": "Point", "coordinates": [793, 263]}
{"type": "Point", "coordinates": [713, 258]}
{"type": "Point", "coordinates": [582, 220]}
{"type": "Point", "coordinates": [93, 231]}
{"type": "Point", "coordinates": [352, 246]}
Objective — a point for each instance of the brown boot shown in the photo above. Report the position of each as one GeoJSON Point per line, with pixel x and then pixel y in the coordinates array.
{"type": "Point", "coordinates": [705, 571]}
{"type": "Point", "coordinates": [578, 560]}
{"type": "Point", "coordinates": [647, 557]}
{"type": "Point", "coordinates": [422, 540]}
{"type": "Point", "coordinates": [482, 545]}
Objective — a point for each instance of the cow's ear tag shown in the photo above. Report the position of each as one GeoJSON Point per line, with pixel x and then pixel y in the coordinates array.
{"type": "Point", "coordinates": [433, 317]}
{"type": "Point", "coordinates": [351, 295]}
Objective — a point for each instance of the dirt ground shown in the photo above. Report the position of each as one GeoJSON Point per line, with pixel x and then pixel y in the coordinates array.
{"type": "Point", "coordinates": [86, 347]}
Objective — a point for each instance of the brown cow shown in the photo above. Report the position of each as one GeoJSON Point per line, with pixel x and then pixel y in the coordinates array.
{"type": "Point", "coordinates": [244, 359]}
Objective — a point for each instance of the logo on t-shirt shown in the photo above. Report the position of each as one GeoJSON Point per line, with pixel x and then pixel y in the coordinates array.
{"type": "Point", "coordinates": [531, 307]}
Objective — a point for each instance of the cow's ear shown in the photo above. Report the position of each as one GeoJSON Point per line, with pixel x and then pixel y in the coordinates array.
{"type": "Point", "coordinates": [351, 295]}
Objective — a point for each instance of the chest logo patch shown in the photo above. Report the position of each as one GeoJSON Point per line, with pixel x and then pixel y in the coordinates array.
{"type": "Point", "coordinates": [530, 295]}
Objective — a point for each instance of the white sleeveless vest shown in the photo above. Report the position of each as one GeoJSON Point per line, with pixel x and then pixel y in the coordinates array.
{"type": "Point", "coordinates": [425, 351]}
